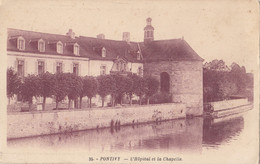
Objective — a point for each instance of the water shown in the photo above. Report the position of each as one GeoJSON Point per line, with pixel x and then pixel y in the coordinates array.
{"type": "Point", "coordinates": [191, 136]}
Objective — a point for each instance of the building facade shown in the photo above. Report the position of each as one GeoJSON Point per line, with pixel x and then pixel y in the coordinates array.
{"type": "Point", "coordinates": [173, 62]}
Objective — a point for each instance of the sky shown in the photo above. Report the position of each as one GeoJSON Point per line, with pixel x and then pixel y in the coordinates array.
{"type": "Point", "coordinates": [215, 29]}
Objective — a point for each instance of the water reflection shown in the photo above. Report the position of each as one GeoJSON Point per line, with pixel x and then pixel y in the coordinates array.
{"type": "Point", "coordinates": [179, 136]}
{"type": "Point", "coordinates": [222, 130]}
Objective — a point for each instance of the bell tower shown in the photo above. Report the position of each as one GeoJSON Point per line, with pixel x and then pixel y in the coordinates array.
{"type": "Point", "coordinates": [148, 31]}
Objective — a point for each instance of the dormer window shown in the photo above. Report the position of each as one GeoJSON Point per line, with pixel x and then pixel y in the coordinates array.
{"type": "Point", "coordinates": [21, 43]}
{"type": "Point", "coordinates": [59, 47]}
{"type": "Point", "coordinates": [76, 49]}
{"type": "Point", "coordinates": [41, 45]}
{"type": "Point", "coordinates": [103, 52]}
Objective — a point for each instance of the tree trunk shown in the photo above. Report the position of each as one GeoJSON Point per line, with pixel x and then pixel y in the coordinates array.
{"type": "Point", "coordinates": [103, 99]}
{"type": "Point", "coordinates": [140, 100]}
{"type": "Point", "coordinates": [90, 103]}
{"type": "Point", "coordinates": [43, 103]}
{"type": "Point", "coordinates": [148, 101]}
{"type": "Point", "coordinates": [131, 102]}
{"type": "Point", "coordinates": [30, 105]}
{"type": "Point", "coordinates": [121, 100]}
{"type": "Point", "coordinates": [57, 104]}
{"type": "Point", "coordinates": [69, 103]}
{"type": "Point", "coordinates": [80, 102]}
{"type": "Point", "coordinates": [113, 100]}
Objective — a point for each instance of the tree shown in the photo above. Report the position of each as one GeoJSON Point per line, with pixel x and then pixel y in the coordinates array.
{"type": "Point", "coordinates": [122, 86]}
{"type": "Point", "coordinates": [89, 89]}
{"type": "Point", "coordinates": [152, 85]}
{"type": "Point", "coordinates": [60, 88]}
{"type": "Point", "coordinates": [75, 86]}
{"type": "Point", "coordinates": [107, 86]}
{"type": "Point", "coordinates": [140, 88]}
{"type": "Point", "coordinates": [30, 89]}
{"type": "Point", "coordinates": [13, 83]}
{"type": "Point", "coordinates": [131, 86]}
{"type": "Point", "coordinates": [46, 86]}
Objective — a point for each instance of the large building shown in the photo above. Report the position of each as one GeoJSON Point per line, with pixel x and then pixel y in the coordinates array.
{"type": "Point", "coordinates": [173, 62]}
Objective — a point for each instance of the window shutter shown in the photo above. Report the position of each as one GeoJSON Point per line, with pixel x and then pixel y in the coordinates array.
{"type": "Point", "coordinates": [25, 68]}
{"type": "Point", "coordinates": [54, 66]}
{"type": "Point", "coordinates": [79, 69]}
{"type": "Point", "coordinates": [16, 65]}
{"type": "Point", "coordinates": [71, 67]}
{"type": "Point", "coordinates": [63, 67]}
{"type": "Point", "coordinates": [45, 67]}
{"type": "Point", "coordinates": [36, 67]}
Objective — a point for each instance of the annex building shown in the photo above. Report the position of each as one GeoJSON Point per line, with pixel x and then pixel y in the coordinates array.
{"type": "Point", "coordinates": [173, 62]}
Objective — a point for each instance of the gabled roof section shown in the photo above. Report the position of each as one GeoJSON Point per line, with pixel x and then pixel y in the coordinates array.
{"type": "Point", "coordinates": [160, 50]}
{"type": "Point", "coordinates": [50, 42]}
{"type": "Point", "coordinates": [114, 48]}
{"type": "Point", "coordinates": [169, 50]}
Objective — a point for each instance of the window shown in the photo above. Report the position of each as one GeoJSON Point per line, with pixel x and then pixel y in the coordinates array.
{"type": "Point", "coordinates": [59, 48]}
{"type": "Point", "coordinates": [102, 70]}
{"type": "Point", "coordinates": [20, 68]}
{"type": "Point", "coordinates": [41, 45]}
{"type": "Point", "coordinates": [59, 67]}
{"type": "Point", "coordinates": [138, 55]}
{"type": "Point", "coordinates": [21, 43]}
{"type": "Point", "coordinates": [76, 49]}
{"type": "Point", "coordinates": [103, 52]}
{"type": "Point", "coordinates": [40, 67]}
{"type": "Point", "coordinates": [76, 69]}
{"type": "Point", "coordinates": [140, 71]}
{"type": "Point", "coordinates": [124, 69]}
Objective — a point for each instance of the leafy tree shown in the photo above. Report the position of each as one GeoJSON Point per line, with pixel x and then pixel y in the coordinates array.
{"type": "Point", "coordinates": [74, 84]}
{"type": "Point", "coordinates": [226, 89]}
{"type": "Point", "coordinates": [107, 86]}
{"type": "Point", "coordinates": [46, 86]}
{"type": "Point", "coordinates": [90, 88]}
{"type": "Point", "coordinates": [140, 88]}
{"type": "Point", "coordinates": [152, 85]}
{"type": "Point", "coordinates": [13, 83]}
{"type": "Point", "coordinates": [123, 85]}
{"type": "Point", "coordinates": [30, 89]}
{"type": "Point", "coordinates": [60, 88]}
{"type": "Point", "coordinates": [133, 82]}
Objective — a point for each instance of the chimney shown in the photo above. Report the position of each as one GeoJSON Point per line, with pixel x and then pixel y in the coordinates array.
{"type": "Point", "coordinates": [101, 36]}
{"type": "Point", "coordinates": [126, 36]}
{"type": "Point", "coordinates": [71, 34]}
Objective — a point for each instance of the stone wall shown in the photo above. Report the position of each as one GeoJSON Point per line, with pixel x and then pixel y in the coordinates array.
{"type": "Point", "coordinates": [186, 82]}
{"type": "Point", "coordinates": [179, 135]}
{"type": "Point", "coordinates": [220, 105]}
{"type": "Point", "coordinates": [50, 122]}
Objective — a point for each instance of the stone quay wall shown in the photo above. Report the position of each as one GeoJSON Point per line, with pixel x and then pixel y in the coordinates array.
{"type": "Point", "coordinates": [25, 124]}
{"type": "Point", "coordinates": [226, 104]}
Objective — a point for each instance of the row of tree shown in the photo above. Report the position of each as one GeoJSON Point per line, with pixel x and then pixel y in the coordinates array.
{"type": "Point", "coordinates": [221, 82]}
{"type": "Point", "coordinates": [62, 85]}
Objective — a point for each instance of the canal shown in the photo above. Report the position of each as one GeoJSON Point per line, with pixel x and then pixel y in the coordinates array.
{"type": "Point", "coordinates": [233, 135]}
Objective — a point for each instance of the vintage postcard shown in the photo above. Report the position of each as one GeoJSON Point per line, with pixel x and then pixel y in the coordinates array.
{"type": "Point", "coordinates": [123, 81]}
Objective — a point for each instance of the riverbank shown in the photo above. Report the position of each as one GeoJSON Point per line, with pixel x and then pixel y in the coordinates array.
{"type": "Point", "coordinates": [227, 107]}
{"type": "Point", "coordinates": [26, 124]}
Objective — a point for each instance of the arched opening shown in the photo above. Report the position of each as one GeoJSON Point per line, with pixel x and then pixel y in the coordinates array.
{"type": "Point", "coordinates": [165, 82]}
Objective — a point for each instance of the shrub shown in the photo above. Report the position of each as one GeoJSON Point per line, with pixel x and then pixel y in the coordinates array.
{"type": "Point", "coordinates": [161, 97]}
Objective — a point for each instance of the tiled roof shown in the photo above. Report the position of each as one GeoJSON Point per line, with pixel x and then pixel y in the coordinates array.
{"type": "Point", "coordinates": [176, 49]}
{"type": "Point", "coordinates": [169, 50]}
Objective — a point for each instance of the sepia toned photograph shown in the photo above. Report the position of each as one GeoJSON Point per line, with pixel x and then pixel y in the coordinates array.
{"type": "Point", "coordinates": [130, 81]}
